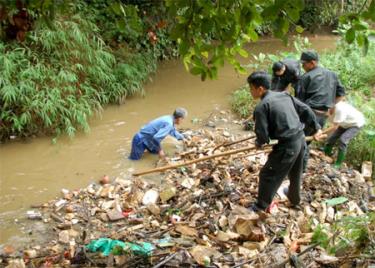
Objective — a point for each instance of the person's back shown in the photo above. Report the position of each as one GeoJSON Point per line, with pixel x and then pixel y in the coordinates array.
{"type": "Point", "coordinates": [347, 116]}
{"type": "Point", "coordinates": [279, 108]}
{"type": "Point", "coordinates": [293, 66]}
{"type": "Point", "coordinates": [152, 127]}
{"type": "Point", "coordinates": [285, 72]}
{"type": "Point", "coordinates": [319, 88]}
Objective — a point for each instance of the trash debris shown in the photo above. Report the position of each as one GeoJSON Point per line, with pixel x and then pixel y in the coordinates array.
{"type": "Point", "coordinates": [336, 201]}
{"type": "Point", "coordinates": [34, 215]}
{"type": "Point", "coordinates": [199, 214]}
{"type": "Point", "coordinates": [150, 197]}
{"type": "Point", "coordinates": [106, 245]}
{"type": "Point", "coordinates": [167, 193]}
{"type": "Point", "coordinates": [367, 170]}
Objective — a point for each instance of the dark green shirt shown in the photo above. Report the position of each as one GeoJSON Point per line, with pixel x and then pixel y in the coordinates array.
{"type": "Point", "coordinates": [282, 117]}
{"type": "Point", "coordinates": [319, 88]}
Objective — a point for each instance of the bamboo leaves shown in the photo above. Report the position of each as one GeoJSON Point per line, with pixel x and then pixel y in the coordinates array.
{"type": "Point", "coordinates": [62, 77]}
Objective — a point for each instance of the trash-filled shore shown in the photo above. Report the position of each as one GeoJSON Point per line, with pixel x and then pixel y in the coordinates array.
{"type": "Point", "coordinates": [198, 215]}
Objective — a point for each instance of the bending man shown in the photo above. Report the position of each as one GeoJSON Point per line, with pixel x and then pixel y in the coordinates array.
{"type": "Point", "coordinates": [151, 135]}
{"type": "Point", "coordinates": [286, 72]}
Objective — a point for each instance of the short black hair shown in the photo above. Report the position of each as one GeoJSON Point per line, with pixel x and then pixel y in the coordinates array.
{"type": "Point", "coordinates": [277, 66]}
{"type": "Point", "coordinates": [260, 78]}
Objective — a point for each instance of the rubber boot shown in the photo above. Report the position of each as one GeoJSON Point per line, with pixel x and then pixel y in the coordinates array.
{"type": "Point", "coordinates": [328, 149]}
{"type": "Point", "coordinates": [340, 159]}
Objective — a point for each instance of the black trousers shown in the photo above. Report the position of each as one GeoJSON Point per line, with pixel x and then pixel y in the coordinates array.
{"type": "Point", "coordinates": [286, 159]}
{"type": "Point", "coordinates": [344, 136]}
{"type": "Point", "coordinates": [308, 132]}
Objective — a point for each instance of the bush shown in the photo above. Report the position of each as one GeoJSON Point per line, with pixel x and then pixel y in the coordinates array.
{"type": "Point", "coordinates": [143, 28]}
{"type": "Point", "coordinates": [57, 80]}
{"type": "Point", "coordinates": [242, 103]}
{"type": "Point", "coordinates": [348, 236]}
{"type": "Point", "coordinates": [318, 13]}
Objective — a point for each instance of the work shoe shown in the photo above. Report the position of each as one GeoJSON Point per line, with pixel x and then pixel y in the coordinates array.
{"type": "Point", "coordinates": [340, 159]}
{"type": "Point", "coordinates": [263, 215]}
{"type": "Point", "coordinates": [295, 207]}
{"type": "Point", "coordinates": [254, 208]}
{"type": "Point", "coordinates": [328, 149]}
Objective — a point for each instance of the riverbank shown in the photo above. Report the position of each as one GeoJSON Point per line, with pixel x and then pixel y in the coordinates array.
{"type": "Point", "coordinates": [197, 214]}
{"type": "Point", "coordinates": [36, 170]}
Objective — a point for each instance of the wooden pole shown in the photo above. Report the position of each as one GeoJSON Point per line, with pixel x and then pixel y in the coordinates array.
{"type": "Point", "coordinates": [159, 169]}
{"type": "Point", "coordinates": [233, 142]}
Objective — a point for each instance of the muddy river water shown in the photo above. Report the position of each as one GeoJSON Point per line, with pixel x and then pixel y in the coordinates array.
{"type": "Point", "coordinates": [35, 171]}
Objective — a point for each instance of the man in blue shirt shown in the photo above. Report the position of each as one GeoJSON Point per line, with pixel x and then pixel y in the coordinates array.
{"type": "Point", "coordinates": [151, 135]}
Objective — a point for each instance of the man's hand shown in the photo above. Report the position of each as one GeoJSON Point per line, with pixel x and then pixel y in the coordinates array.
{"type": "Point", "coordinates": [318, 135]}
{"type": "Point", "coordinates": [161, 154]}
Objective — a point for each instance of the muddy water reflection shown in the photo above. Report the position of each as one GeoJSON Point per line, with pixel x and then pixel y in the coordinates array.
{"type": "Point", "coordinates": [33, 172]}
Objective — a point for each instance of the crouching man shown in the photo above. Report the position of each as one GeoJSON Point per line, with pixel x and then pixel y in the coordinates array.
{"type": "Point", "coordinates": [151, 135]}
{"type": "Point", "coordinates": [347, 121]}
{"type": "Point", "coordinates": [281, 117]}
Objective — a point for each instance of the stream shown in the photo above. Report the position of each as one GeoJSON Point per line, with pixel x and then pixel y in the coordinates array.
{"type": "Point", "coordinates": [34, 171]}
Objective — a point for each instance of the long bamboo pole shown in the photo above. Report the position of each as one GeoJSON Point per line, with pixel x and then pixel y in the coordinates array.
{"type": "Point", "coordinates": [159, 169]}
{"type": "Point", "coordinates": [233, 142]}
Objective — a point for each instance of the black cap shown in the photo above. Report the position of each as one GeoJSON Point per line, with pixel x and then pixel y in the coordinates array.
{"type": "Point", "coordinates": [309, 55]}
{"type": "Point", "coordinates": [277, 66]}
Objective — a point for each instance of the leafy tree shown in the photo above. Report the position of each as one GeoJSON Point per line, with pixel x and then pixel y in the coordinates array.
{"type": "Point", "coordinates": [211, 32]}
{"type": "Point", "coordinates": [208, 32]}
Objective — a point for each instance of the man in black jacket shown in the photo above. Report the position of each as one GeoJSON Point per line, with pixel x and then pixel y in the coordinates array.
{"type": "Point", "coordinates": [286, 72]}
{"type": "Point", "coordinates": [320, 88]}
{"type": "Point", "coordinates": [279, 116]}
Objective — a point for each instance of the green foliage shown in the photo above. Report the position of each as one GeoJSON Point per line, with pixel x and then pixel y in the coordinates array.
{"type": "Point", "coordinates": [362, 148]}
{"type": "Point", "coordinates": [132, 73]}
{"type": "Point", "coordinates": [319, 13]}
{"type": "Point", "coordinates": [141, 26]}
{"type": "Point", "coordinates": [356, 71]}
{"type": "Point", "coordinates": [210, 32]}
{"type": "Point", "coordinates": [116, 21]}
{"type": "Point", "coordinates": [242, 102]}
{"type": "Point", "coordinates": [320, 236]}
{"type": "Point", "coordinates": [348, 235]}
{"type": "Point", "coordinates": [56, 82]}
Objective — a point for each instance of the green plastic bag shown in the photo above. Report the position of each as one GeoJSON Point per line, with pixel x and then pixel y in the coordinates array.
{"type": "Point", "coordinates": [106, 245]}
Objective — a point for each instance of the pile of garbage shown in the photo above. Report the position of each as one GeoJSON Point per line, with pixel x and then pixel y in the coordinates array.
{"type": "Point", "coordinates": [198, 215]}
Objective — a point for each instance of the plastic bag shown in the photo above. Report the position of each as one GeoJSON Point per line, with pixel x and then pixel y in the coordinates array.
{"type": "Point", "coordinates": [106, 245]}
